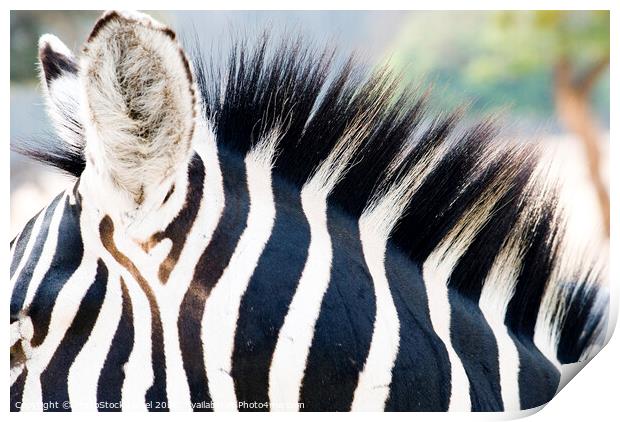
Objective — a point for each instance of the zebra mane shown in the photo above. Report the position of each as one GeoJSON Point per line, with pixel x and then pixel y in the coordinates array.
{"type": "Point", "coordinates": [472, 202]}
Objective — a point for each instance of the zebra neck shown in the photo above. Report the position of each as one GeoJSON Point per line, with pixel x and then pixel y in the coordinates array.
{"type": "Point", "coordinates": [143, 223]}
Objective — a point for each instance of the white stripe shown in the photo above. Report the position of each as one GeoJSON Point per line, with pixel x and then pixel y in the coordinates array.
{"type": "Point", "coordinates": [222, 306]}
{"type": "Point", "coordinates": [47, 254]}
{"type": "Point", "coordinates": [85, 370]}
{"type": "Point", "coordinates": [18, 239]}
{"type": "Point", "coordinates": [177, 389]}
{"type": "Point", "coordinates": [508, 357]}
{"type": "Point", "coordinates": [435, 281]}
{"type": "Point", "coordinates": [65, 308]}
{"type": "Point", "coordinates": [170, 296]}
{"type": "Point", "coordinates": [373, 386]}
{"type": "Point", "coordinates": [36, 228]}
{"type": "Point", "coordinates": [376, 224]}
{"type": "Point", "coordinates": [496, 293]}
{"type": "Point", "coordinates": [139, 367]}
{"type": "Point", "coordinates": [295, 337]}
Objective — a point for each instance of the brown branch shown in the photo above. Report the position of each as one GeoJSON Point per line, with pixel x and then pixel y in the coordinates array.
{"type": "Point", "coordinates": [563, 71]}
{"type": "Point", "coordinates": [589, 78]}
{"type": "Point", "coordinates": [574, 111]}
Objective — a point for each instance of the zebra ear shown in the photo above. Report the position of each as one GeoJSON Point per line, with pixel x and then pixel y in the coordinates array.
{"type": "Point", "coordinates": [139, 103]}
{"type": "Point", "coordinates": [59, 81]}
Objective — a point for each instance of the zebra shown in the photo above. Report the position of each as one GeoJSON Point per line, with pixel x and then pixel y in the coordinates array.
{"type": "Point", "coordinates": [284, 232]}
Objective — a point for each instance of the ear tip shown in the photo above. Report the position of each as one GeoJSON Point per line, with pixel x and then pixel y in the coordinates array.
{"type": "Point", "coordinates": [113, 25]}
{"type": "Point", "coordinates": [55, 58]}
{"type": "Point", "coordinates": [51, 41]}
{"type": "Point", "coordinates": [129, 17]}
{"type": "Point", "coordinates": [137, 17]}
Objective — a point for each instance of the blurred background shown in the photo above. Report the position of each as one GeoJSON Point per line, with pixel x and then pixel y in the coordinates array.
{"type": "Point", "coordinates": [545, 74]}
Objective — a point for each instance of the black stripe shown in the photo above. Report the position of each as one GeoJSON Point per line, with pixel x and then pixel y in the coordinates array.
{"type": "Point", "coordinates": [583, 321]}
{"type": "Point", "coordinates": [178, 229]}
{"type": "Point", "coordinates": [542, 238]}
{"type": "Point", "coordinates": [21, 285]}
{"type": "Point", "coordinates": [209, 269]}
{"type": "Point", "coordinates": [155, 397]}
{"type": "Point", "coordinates": [472, 337]}
{"type": "Point", "coordinates": [66, 260]}
{"type": "Point", "coordinates": [17, 391]}
{"type": "Point", "coordinates": [344, 328]}
{"type": "Point", "coordinates": [21, 242]}
{"type": "Point", "coordinates": [268, 296]}
{"type": "Point", "coordinates": [421, 375]}
{"type": "Point", "coordinates": [110, 384]}
{"type": "Point", "coordinates": [54, 379]}
{"type": "Point", "coordinates": [475, 344]}
{"type": "Point", "coordinates": [538, 378]}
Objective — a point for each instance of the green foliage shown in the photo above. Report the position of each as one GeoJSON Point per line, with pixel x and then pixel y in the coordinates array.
{"type": "Point", "coordinates": [496, 60]}
{"type": "Point", "coordinates": [516, 43]}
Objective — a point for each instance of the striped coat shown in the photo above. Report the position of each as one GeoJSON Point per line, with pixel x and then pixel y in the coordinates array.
{"type": "Point", "coordinates": [283, 234]}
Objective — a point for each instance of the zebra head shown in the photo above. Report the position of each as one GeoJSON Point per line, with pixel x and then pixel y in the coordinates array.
{"type": "Point", "coordinates": [287, 231]}
{"type": "Point", "coordinates": [126, 105]}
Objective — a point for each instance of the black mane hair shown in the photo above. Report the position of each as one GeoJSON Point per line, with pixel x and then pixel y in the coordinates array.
{"type": "Point", "coordinates": [312, 101]}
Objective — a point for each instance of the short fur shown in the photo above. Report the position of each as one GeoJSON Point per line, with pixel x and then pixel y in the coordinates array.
{"type": "Point", "coordinates": [141, 123]}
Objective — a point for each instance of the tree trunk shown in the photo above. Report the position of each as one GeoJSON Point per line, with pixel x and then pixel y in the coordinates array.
{"type": "Point", "coordinates": [572, 99]}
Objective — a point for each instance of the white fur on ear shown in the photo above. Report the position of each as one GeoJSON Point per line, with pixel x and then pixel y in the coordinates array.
{"type": "Point", "coordinates": [59, 81]}
{"type": "Point", "coordinates": [139, 103]}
